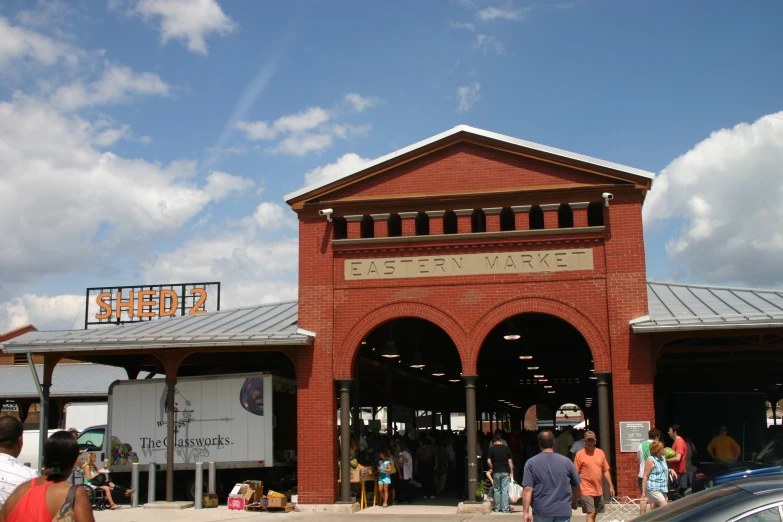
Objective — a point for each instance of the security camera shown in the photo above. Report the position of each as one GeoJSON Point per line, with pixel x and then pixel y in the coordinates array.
{"type": "Point", "coordinates": [326, 212]}
{"type": "Point", "coordinates": [607, 196]}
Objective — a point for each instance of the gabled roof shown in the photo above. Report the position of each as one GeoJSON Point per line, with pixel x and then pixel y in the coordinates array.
{"type": "Point", "coordinates": [269, 324]}
{"type": "Point", "coordinates": [675, 306]}
{"type": "Point", "coordinates": [68, 380]}
{"type": "Point", "coordinates": [580, 158]}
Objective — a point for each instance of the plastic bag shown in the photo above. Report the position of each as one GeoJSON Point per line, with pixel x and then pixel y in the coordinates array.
{"type": "Point", "coordinates": [514, 492]}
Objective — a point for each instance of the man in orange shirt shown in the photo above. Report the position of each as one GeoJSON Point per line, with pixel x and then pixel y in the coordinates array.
{"type": "Point", "coordinates": [592, 466]}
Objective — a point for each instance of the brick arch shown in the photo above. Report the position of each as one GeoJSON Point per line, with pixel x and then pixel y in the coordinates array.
{"type": "Point", "coordinates": [345, 357]}
{"type": "Point", "coordinates": [540, 305]}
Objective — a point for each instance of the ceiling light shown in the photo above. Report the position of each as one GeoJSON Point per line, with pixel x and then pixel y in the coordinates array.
{"type": "Point", "coordinates": [779, 384]}
{"type": "Point", "coordinates": [437, 371]}
{"type": "Point", "coordinates": [551, 391]}
{"type": "Point", "coordinates": [525, 357]}
{"type": "Point", "coordinates": [548, 386]}
{"type": "Point", "coordinates": [364, 342]}
{"type": "Point", "coordinates": [532, 367]}
{"type": "Point", "coordinates": [543, 380]}
{"type": "Point", "coordinates": [592, 369]}
{"type": "Point", "coordinates": [454, 380]}
{"type": "Point", "coordinates": [538, 376]}
{"type": "Point", "coordinates": [511, 334]}
{"type": "Point", "coordinates": [390, 350]}
{"type": "Point", "coordinates": [593, 378]}
{"type": "Point", "coordinates": [417, 361]}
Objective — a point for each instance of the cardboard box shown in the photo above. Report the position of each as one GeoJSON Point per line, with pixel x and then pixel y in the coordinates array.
{"type": "Point", "coordinates": [257, 487]}
{"type": "Point", "coordinates": [210, 501]}
{"type": "Point", "coordinates": [236, 503]}
{"type": "Point", "coordinates": [276, 502]}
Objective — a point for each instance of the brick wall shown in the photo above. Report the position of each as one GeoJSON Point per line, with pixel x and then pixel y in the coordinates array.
{"type": "Point", "coordinates": [598, 303]}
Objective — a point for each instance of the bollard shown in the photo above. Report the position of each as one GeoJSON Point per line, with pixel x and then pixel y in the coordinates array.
{"type": "Point", "coordinates": [135, 484]}
{"type": "Point", "coordinates": [151, 484]}
{"type": "Point", "coordinates": [211, 466]}
{"type": "Point", "coordinates": [199, 494]}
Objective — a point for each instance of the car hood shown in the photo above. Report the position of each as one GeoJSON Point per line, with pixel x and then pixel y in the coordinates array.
{"type": "Point", "coordinates": [747, 473]}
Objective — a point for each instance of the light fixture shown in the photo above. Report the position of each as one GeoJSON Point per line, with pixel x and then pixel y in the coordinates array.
{"type": "Point", "coordinates": [551, 391]}
{"type": "Point", "coordinates": [511, 334]}
{"type": "Point", "coordinates": [437, 371]}
{"type": "Point", "coordinates": [454, 380]}
{"type": "Point", "coordinates": [532, 367]}
{"type": "Point", "coordinates": [364, 342]}
{"type": "Point", "coordinates": [592, 369]}
{"type": "Point", "coordinates": [548, 386]}
{"type": "Point", "coordinates": [592, 378]}
{"type": "Point", "coordinates": [543, 380]}
{"type": "Point", "coordinates": [417, 361]}
{"type": "Point", "coordinates": [538, 376]}
{"type": "Point", "coordinates": [525, 357]}
{"type": "Point", "coordinates": [390, 350]}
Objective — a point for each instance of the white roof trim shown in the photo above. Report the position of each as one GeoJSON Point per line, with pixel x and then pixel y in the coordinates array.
{"type": "Point", "coordinates": [486, 134]}
{"type": "Point", "coordinates": [308, 333]}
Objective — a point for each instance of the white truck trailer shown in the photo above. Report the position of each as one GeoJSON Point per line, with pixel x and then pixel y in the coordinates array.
{"type": "Point", "coordinates": [246, 424]}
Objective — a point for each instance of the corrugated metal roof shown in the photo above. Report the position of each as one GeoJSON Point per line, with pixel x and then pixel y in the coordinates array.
{"type": "Point", "coordinates": [68, 380]}
{"type": "Point", "coordinates": [486, 134]}
{"type": "Point", "coordinates": [268, 324]}
{"type": "Point", "coordinates": [675, 306]}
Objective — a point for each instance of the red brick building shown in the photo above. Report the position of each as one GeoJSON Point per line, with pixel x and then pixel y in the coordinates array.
{"type": "Point", "coordinates": [567, 229]}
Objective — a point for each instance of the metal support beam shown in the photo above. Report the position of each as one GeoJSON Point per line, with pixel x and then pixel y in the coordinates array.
{"type": "Point", "coordinates": [470, 422]}
{"type": "Point", "coordinates": [604, 423]}
{"type": "Point", "coordinates": [344, 387]}
{"type": "Point", "coordinates": [171, 385]}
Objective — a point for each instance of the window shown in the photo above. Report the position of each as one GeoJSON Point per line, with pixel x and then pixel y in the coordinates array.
{"type": "Point", "coordinates": [395, 225]}
{"type": "Point", "coordinates": [565, 216]}
{"type": "Point", "coordinates": [478, 221]}
{"type": "Point", "coordinates": [422, 224]}
{"type": "Point", "coordinates": [450, 222]}
{"type": "Point", "coordinates": [20, 358]}
{"type": "Point", "coordinates": [507, 219]}
{"type": "Point", "coordinates": [771, 514]}
{"type": "Point", "coordinates": [91, 438]}
{"type": "Point", "coordinates": [536, 218]}
{"type": "Point", "coordinates": [340, 228]}
{"type": "Point", "coordinates": [368, 227]}
{"type": "Point", "coordinates": [595, 215]}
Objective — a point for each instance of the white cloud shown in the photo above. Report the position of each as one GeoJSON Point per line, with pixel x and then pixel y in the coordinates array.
{"type": "Point", "coordinates": [291, 123]}
{"type": "Point", "coordinates": [728, 193]}
{"type": "Point", "coordinates": [346, 163]}
{"type": "Point", "coordinates": [64, 204]}
{"type": "Point", "coordinates": [303, 143]}
{"type": "Point", "coordinates": [269, 217]}
{"type": "Point", "coordinates": [488, 43]}
{"type": "Point", "coordinates": [188, 20]}
{"type": "Point", "coordinates": [467, 96]}
{"type": "Point", "coordinates": [18, 43]}
{"type": "Point", "coordinates": [61, 312]}
{"type": "Point", "coordinates": [117, 84]}
{"type": "Point", "coordinates": [46, 13]}
{"type": "Point", "coordinates": [462, 25]}
{"type": "Point", "coordinates": [359, 102]}
{"type": "Point", "coordinates": [498, 13]}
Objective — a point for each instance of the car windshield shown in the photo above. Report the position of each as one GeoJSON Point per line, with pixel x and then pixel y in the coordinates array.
{"type": "Point", "coordinates": [720, 494]}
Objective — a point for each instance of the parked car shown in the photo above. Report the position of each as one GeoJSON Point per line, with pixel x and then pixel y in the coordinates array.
{"type": "Point", "coordinates": [748, 500]}
{"type": "Point", "coordinates": [764, 464]}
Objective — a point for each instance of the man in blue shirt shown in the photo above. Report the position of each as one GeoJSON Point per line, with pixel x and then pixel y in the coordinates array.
{"type": "Point", "coordinates": [551, 484]}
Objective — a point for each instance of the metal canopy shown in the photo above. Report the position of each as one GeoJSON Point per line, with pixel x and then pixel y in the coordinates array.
{"type": "Point", "coordinates": [69, 380]}
{"type": "Point", "coordinates": [697, 307]}
{"type": "Point", "coordinates": [270, 324]}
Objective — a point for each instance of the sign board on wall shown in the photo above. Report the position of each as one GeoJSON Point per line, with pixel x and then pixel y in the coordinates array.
{"type": "Point", "coordinates": [528, 262]}
{"type": "Point", "coordinates": [632, 434]}
{"type": "Point", "coordinates": [133, 304]}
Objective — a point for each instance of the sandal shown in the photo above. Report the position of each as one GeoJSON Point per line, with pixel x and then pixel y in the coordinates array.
{"type": "Point", "coordinates": [129, 492]}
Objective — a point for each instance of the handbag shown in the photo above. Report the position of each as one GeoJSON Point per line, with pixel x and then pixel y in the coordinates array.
{"type": "Point", "coordinates": [66, 513]}
{"type": "Point", "coordinates": [100, 480]}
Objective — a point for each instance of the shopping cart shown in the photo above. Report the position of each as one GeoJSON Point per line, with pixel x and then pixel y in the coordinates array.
{"type": "Point", "coordinates": [620, 509]}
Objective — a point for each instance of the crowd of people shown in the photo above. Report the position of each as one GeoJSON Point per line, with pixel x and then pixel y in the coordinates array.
{"type": "Point", "coordinates": [26, 496]}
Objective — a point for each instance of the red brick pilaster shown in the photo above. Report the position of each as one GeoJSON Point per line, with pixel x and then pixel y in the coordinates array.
{"type": "Point", "coordinates": [550, 215]}
{"type": "Point", "coordinates": [354, 224]}
{"type": "Point", "coordinates": [493, 218]}
{"type": "Point", "coordinates": [408, 223]}
{"type": "Point", "coordinates": [381, 224]}
{"type": "Point", "coordinates": [436, 221]}
{"type": "Point", "coordinates": [580, 213]}
{"type": "Point", "coordinates": [521, 217]}
{"type": "Point", "coordinates": [464, 223]}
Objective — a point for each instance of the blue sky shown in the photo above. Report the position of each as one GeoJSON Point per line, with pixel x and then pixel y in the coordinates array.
{"type": "Point", "coordinates": [153, 141]}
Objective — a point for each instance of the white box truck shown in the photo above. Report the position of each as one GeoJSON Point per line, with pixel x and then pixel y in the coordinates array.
{"type": "Point", "coordinates": [246, 424]}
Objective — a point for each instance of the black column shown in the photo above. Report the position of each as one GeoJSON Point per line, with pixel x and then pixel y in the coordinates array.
{"type": "Point", "coordinates": [470, 426]}
{"type": "Point", "coordinates": [344, 386]}
{"type": "Point", "coordinates": [171, 387]}
{"type": "Point", "coordinates": [604, 422]}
